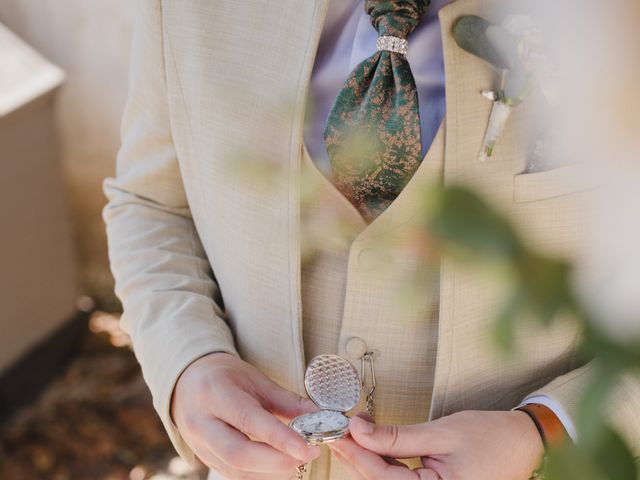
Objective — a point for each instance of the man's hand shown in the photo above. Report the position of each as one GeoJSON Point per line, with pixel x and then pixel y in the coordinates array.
{"type": "Point", "coordinates": [471, 444]}
{"type": "Point", "coordinates": [226, 411]}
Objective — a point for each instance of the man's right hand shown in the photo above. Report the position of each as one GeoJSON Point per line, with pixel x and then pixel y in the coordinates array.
{"type": "Point", "coordinates": [227, 412]}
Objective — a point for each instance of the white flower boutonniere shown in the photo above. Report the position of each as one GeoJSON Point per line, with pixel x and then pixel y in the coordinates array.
{"type": "Point", "coordinates": [514, 51]}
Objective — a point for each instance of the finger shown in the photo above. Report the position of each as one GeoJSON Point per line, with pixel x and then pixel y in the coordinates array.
{"type": "Point", "coordinates": [370, 465]}
{"type": "Point", "coordinates": [285, 403]}
{"type": "Point", "coordinates": [230, 473]}
{"type": "Point", "coordinates": [365, 416]}
{"type": "Point", "coordinates": [398, 441]}
{"type": "Point", "coordinates": [353, 473]}
{"type": "Point", "coordinates": [237, 451]}
{"type": "Point", "coordinates": [205, 455]}
{"type": "Point", "coordinates": [434, 464]}
{"type": "Point", "coordinates": [247, 415]}
{"type": "Point", "coordinates": [368, 418]}
{"type": "Point", "coordinates": [427, 474]}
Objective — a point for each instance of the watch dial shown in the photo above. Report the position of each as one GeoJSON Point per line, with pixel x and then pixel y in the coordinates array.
{"type": "Point", "coordinates": [324, 421]}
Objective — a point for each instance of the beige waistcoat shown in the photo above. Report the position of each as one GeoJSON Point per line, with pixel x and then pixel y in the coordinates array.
{"type": "Point", "coordinates": [207, 260]}
{"type": "Point", "coordinates": [354, 294]}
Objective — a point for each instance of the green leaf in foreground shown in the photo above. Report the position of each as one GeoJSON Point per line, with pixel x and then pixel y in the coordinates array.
{"type": "Point", "coordinates": [609, 459]}
{"type": "Point", "coordinates": [460, 217]}
{"type": "Point", "coordinates": [547, 286]}
{"type": "Point", "coordinates": [504, 327]}
{"type": "Point", "coordinates": [540, 287]}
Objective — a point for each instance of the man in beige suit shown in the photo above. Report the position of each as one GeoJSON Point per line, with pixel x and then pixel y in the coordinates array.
{"type": "Point", "coordinates": [225, 310]}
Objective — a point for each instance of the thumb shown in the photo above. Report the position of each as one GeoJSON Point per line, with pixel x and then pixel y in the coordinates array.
{"type": "Point", "coordinates": [286, 404]}
{"type": "Point", "coordinates": [398, 441]}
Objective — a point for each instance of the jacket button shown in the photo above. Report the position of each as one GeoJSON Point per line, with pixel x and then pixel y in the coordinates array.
{"type": "Point", "coordinates": [356, 347]}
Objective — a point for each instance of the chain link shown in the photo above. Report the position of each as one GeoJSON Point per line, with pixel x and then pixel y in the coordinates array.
{"type": "Point", "coordinates": [300, 471]}
{"type": "Point", "coordinates": [367, 358]}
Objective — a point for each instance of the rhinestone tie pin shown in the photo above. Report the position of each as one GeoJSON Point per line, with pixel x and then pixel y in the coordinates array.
{"type": "Point", "coordinates": [393, 44]}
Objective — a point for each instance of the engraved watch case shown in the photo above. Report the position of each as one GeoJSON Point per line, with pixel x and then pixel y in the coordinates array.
{"type": "Point", "coordinates": [333, 384]}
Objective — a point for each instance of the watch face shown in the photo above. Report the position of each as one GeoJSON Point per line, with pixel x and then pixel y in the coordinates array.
{"type": "Point", "coordinates": [322, 426]}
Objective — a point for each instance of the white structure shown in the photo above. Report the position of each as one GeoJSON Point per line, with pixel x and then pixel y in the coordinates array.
{"type": "Point", "coordinates": [37, 267]}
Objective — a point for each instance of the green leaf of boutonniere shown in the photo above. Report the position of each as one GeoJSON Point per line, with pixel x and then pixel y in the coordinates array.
{"type": "Point", "coordinates": [500, 49]}
{"type": "Point", "coordinates": [470, 33]}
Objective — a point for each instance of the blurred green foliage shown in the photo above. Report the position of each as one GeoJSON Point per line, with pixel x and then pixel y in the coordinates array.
{"type": "Point", "coordinates": [540, 286]}
{"type": "Point", "coordinates": [472, 230]}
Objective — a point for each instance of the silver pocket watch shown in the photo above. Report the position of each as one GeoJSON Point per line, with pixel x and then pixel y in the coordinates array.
{"type": "Point", "coordinates": [333, 384]}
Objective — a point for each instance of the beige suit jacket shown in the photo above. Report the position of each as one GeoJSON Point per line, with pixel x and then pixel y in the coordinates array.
{"type": "Point", "coordinates": [215, 82]}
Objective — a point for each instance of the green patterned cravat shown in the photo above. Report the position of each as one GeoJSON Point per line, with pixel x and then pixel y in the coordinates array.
{"type": "Point", "coordinates": [373, 130]}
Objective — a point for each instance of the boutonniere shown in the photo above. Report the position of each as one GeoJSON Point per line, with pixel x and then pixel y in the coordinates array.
{"type": "Point", "coordinates": [513, 49]}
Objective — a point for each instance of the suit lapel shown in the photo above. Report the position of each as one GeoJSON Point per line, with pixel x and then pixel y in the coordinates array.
{"type": "Point", "coordinates": [315, 17]}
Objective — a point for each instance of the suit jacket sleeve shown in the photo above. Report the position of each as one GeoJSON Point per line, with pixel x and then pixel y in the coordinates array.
{"type": "Point", "coordinates": [162, 274]}
{"type": "Point", "coordinates": [623, 408]}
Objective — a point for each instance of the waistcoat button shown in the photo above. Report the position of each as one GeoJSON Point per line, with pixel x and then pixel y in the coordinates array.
{"type": "Point", "coordinates": [356, 347]}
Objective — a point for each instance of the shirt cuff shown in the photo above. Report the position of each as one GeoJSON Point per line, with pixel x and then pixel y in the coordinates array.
{"type": "Point", "coordinates": [557, 410]}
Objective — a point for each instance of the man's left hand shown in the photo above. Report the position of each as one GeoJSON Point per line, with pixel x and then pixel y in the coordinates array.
{"type": "Point", "coordinates": [483, 445]}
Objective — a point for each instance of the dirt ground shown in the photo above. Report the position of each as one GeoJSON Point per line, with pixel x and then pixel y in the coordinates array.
{"type": "Point", "coordinates": [95, 422]}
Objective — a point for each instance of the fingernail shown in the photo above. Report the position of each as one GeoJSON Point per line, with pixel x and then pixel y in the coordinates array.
{"type": "Point", "coordinates": [364, 426]}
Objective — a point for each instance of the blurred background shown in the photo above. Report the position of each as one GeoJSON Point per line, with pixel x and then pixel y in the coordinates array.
{"type": "Point", "coordinates": [73, 404]}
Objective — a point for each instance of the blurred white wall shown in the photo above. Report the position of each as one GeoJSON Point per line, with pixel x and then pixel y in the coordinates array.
{"type": "Point", "coordinates": [90, 40]}
{"type": "Point", "coordinates": [38, 287]}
